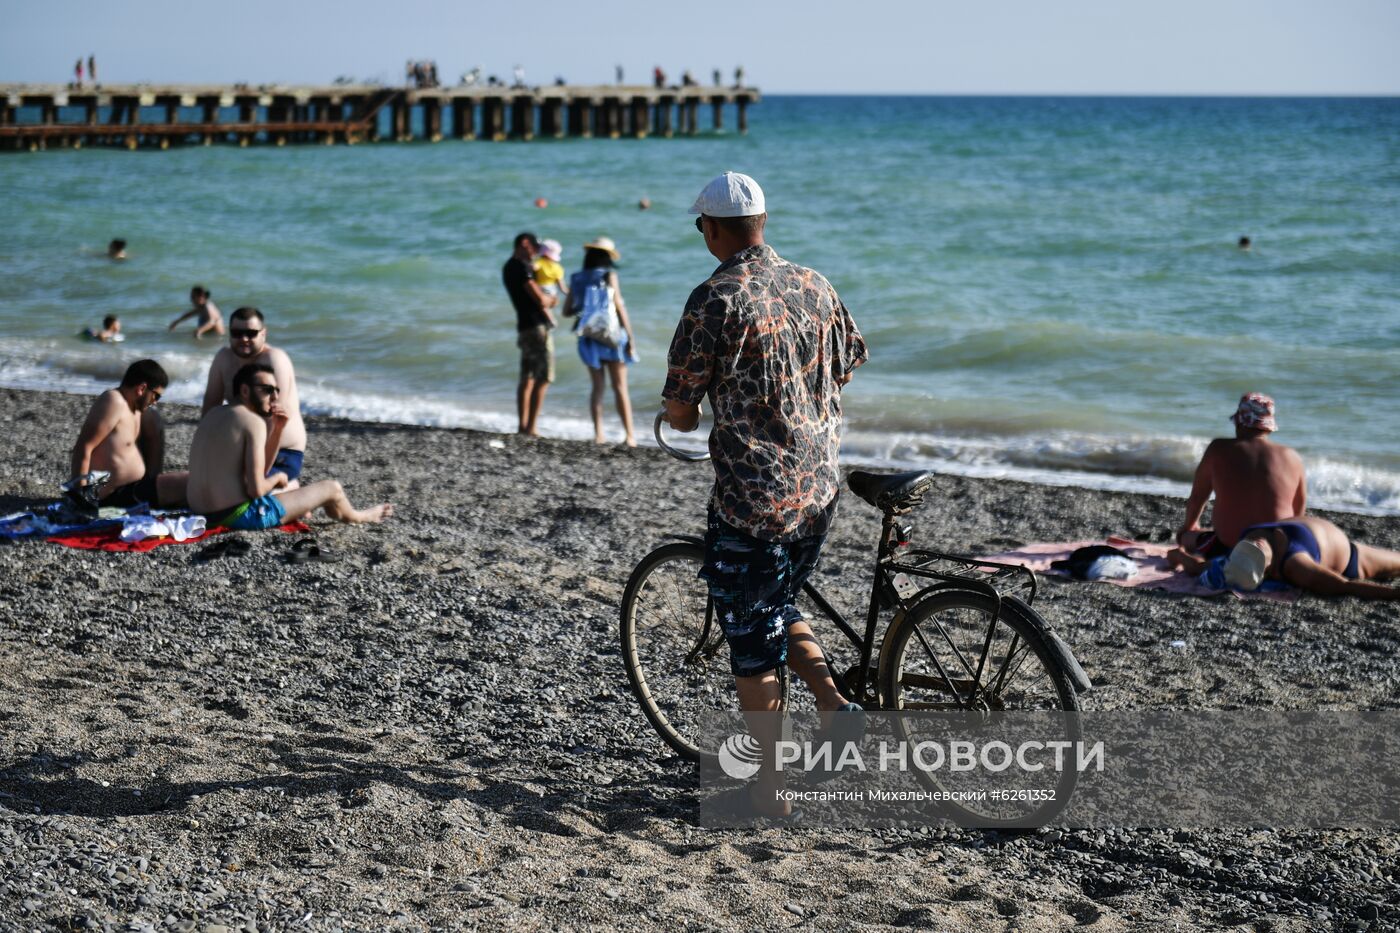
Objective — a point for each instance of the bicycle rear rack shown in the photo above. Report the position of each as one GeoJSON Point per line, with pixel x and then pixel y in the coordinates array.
{"type": "Point", "coordinates": [994, 579]}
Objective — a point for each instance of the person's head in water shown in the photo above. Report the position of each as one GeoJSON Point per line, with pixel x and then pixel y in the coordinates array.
{"type": "Point", "coordinates": [116, 249]}
{"type": "Point", "coordinates": [1245, 242]}
{"type": "Point", "coordinates": [247, 333]}
{"type": "Point", "coordinates": [111, 325]}
{"type": "Point", "coordinates": [256, 387]}
{"type": "Point", "coordinates": [199, 296]}
{"type": "Point", "coordinates": [1254, 416]}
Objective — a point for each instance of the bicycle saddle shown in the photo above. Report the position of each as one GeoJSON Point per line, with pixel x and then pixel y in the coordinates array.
{"type": "Point", "coordinates": [891, 492]}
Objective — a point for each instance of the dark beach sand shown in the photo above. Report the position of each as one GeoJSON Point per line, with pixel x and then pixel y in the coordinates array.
{"type": "Point", "coordinates": [437, 732]}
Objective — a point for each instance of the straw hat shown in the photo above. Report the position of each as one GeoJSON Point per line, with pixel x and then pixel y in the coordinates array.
{"type": "Point", "coordinates": [605, 244]}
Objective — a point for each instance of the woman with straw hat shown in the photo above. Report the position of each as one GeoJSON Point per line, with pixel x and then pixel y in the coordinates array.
{"type": "Point", "coordinates": [594, 286]}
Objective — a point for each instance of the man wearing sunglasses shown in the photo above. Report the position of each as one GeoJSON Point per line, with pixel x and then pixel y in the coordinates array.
{"type": "Point", "coordinates": [247, 343]}
{"type": "Point", "coordinates": [229, 481]}
{"type": "Point", "coordinates": [124, 436]}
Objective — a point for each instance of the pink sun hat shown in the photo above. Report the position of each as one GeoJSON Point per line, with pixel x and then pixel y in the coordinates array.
{"type": "Point", "coordinates": [551, 249]}
{"type": "Point", "coordinates": [1256, 410]}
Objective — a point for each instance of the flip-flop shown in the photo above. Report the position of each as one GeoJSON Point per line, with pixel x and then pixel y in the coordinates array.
{"type": "Point", "coordinates": [307, 550]}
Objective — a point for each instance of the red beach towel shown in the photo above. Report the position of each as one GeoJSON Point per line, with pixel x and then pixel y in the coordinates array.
{"type": "Point", "coordinates": [109, 539]}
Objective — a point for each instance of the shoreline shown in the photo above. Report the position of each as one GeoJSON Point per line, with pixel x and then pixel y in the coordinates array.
{"type": "Point", "coordinates": [437, 731]}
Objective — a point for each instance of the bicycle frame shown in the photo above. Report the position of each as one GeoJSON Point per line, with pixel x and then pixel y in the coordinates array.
{"type": "Point", "coordinates": [921, 563]}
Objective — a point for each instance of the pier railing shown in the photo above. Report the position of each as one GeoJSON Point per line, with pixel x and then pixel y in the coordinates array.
{"type": "Point", "coordinates": [34, 117]}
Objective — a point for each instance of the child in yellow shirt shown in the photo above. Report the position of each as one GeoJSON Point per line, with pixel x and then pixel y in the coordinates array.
{"type": "Point", "coordinates": [549, 273]}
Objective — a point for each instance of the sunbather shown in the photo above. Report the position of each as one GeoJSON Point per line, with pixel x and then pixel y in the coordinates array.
{"type": "Point", "coordinates": [1314, 555]}
{"type": "Point", "coordinates": [229, 482]}
{"type": "Point", "coordinates": [124, 436]}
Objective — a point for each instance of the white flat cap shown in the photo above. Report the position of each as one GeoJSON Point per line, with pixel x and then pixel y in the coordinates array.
{"type": "Point", "coordinates": [730, 195]}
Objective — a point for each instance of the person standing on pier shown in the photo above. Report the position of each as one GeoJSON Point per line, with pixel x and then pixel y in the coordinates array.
{"type": "Point", "coordinates": [78, 72]}
{"type": "Point", "coordinates": [533, 324]}
{"type": "Point", "coordinates": [92, 69]}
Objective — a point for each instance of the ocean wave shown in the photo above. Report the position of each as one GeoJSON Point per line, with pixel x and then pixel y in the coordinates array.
{"type": "Point", "coordinates": [1159, 465]}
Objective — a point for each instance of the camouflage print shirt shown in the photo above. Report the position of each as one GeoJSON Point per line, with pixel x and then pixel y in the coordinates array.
{"type": "Point", "coordinates": [766, 341]}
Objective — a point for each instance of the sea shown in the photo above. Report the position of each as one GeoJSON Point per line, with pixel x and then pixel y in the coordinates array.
{"type": "Point", "coordinates": [1051, 288]}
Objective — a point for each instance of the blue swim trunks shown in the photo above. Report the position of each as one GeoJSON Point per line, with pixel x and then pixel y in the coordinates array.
{"type": "Point", "coordinates": [253, 515]}
{"type": "Point", "coordinates": [288, 462]}
{"type": "Point", "coordinates": [754, 585]}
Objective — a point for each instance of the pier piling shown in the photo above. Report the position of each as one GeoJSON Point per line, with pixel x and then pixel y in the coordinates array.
{"type": "Point", "coordinates": [36, 117]}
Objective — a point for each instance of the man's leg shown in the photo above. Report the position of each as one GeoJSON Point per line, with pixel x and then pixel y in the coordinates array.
{"type": "Point", "coordinates": [329, 496]}
{"type": "Point", "coordinates": [523, 393]}
{"type": "Point", "coordinates": [1376, 563]}
{"type": "Point", "coordinates": [151, 442]}
{"type": "Point", "coordinates": [760, 695]}
{"type": "Point", "coordinates": [536, 403]}
{"type": "Point", "coordinates": [170, 489]}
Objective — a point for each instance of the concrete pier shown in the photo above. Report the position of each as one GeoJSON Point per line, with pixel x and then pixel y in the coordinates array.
{"type": "Point", "coordinates": [36, 117]}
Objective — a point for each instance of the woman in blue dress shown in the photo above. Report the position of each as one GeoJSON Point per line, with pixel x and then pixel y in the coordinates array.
{"type": "Point", "coordinates": [598, 274]}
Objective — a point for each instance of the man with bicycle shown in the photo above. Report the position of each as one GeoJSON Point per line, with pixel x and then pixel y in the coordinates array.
{"type": "Point", "coordinates": [771, 344]}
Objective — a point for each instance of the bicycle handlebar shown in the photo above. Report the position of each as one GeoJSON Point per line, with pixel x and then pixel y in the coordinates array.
{"type": "Point", "coordinates": [673, 451]}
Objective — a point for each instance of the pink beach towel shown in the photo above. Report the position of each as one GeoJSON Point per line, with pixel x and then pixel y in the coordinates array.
{"type": "Point", "coordinates": [1154, 573]}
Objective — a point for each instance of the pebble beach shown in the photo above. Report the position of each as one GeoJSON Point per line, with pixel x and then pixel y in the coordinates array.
{"type": "Point", "coordinates": [436, 731]}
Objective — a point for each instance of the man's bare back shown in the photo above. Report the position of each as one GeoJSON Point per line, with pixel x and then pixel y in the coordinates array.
{"type": "Point", "coordinates": [218, 457]}
{"type": "Point", "coordinates": [1254, 481]}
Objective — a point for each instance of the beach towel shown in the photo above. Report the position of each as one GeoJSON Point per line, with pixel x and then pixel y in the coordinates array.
{"type": "Point", "coordinates": [110, 538]}
{"type": "Point", "coordinates": [1154, 573]}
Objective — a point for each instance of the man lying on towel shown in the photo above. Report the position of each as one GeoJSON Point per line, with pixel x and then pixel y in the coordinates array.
{"type": "Point", "coordinates": [229, 479]}
{"type": "Point", "coordinates": [1314, 555]}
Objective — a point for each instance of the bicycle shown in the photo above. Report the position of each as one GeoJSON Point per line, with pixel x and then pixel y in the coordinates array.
{"type": "Point", "coordinates": [955, 643]}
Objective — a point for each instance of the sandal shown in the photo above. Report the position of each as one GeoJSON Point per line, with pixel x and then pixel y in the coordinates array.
{"type": "Point", "coordinates": [307, 550]}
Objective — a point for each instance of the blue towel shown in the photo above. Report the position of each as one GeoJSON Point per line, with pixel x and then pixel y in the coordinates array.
{"type": "Point", "coordinates": [1213, 577]}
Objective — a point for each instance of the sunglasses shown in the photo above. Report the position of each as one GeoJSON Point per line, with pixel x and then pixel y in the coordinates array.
{"type": "Point", "coordinates": [698, 225]}
{"type": "Point", "coordinates": [238, 333]}
{"type": "Point", "coordinates": [265, 389]}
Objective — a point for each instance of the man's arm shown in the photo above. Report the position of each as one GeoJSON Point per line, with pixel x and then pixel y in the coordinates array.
{"type": "Point", "coordinates": [214, 388]}
{"type": "Point", "coordinates": [1304, 573]}
{"type": "Point", "coordinates": [545, 301]}
{"type": "Point", "coordinates": [1201, 488]}
{"type": "Point", "coordinates": [255, 463]}
{"type": "Point", "coordinates": [101, 420]}
{"type": "Point", "coordinates": [1300, 495]}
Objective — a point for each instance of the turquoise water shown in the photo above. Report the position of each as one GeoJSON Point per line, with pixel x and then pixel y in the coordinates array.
{"type": "Point", "coordinates": [1049, 286]}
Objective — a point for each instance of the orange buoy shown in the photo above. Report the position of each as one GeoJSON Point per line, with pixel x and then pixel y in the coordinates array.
{"type": "Point", "coordinates": [541, 202]}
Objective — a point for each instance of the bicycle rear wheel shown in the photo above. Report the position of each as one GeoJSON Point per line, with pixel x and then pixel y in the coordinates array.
{"type": "Point", "coordinates": [954, 653]}
{"type": "Point", "coordinates": [672, 646]}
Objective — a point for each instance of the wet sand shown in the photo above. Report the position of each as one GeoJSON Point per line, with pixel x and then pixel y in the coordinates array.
{"type": "Point", "coordinates": [436, 732]}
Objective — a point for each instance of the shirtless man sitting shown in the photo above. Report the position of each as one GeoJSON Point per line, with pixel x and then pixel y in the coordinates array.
{"type": "Point", "coordinates": [1314, 555]}
{"type": "Point", "coordinates": [247, 343]}
{"type": "Point", "coordinates": [229, 482]}
{"type": "Point", "coordinates": [1254, 481]}
{"type": "Point", "coordinates": [124, 435]}
{"type": "Point", "coordinates": [211, 319]}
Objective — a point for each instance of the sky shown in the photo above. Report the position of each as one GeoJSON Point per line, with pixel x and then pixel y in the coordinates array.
{"type": "Point", "coordinates": [1188, 47]}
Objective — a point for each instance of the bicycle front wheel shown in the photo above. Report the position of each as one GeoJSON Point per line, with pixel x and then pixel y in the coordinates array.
{"type": "Point", "coordinates": [954, 653]}
{"type": "Point", "coordinates": [672, 646]}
